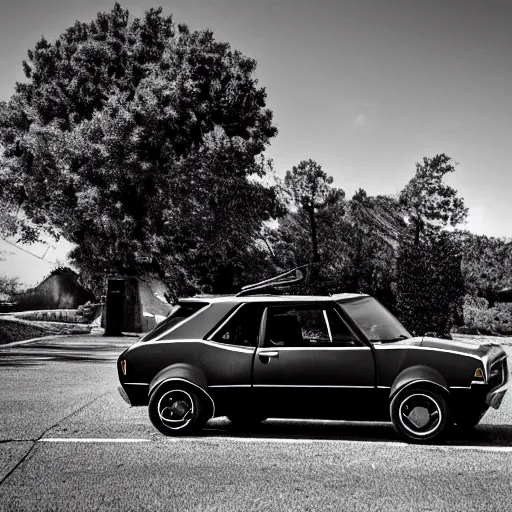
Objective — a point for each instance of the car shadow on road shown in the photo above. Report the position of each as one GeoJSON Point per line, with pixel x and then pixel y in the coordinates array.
{"type": "Point", "coordinates": [484, 435]}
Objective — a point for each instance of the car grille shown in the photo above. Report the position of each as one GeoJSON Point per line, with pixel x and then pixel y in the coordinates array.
{"type": "Point", "coordinates": [498, 373]}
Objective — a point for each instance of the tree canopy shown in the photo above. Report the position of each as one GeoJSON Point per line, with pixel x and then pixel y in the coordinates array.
{"type": "Point", "coordinates": [486, 264]}
{"type": "Point", "coordinates": [430, 285]}
{"type": "Point", "coordinates": [310, 189]}
{"type": "Point", "coordinates": [428, 201]}
{"type": "Point", "coordinates": [139, 141]}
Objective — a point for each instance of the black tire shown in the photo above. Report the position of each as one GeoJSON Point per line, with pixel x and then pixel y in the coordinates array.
{"type": "Point", "coordinates": [420, 415]}
{"type": "Point", "coordinates": [177, 410]}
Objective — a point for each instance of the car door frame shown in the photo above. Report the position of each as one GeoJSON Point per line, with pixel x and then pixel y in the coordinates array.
{"type": "Point", "coordinates": [229, 396]}
{"type": "Point", "coordinates": [265, 393]}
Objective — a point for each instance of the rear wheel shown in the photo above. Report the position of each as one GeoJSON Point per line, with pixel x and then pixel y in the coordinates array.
{"type": "Point", "coordinates": [420, 415]}
{"type": "Point", "coordinates": [177, 411]}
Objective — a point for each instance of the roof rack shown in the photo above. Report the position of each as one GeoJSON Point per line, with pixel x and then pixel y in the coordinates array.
{"type": "Point", "coordinates": [270, 285]}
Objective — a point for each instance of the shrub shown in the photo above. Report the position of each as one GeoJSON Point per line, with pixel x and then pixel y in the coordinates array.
{"type": "Point", "coordinates": [430, 287]}
{"type": "Point", "coordinates": [479, 318]}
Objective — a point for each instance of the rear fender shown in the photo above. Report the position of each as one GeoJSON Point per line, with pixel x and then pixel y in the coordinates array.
{"type": "Point", "coordinates": [185, 375]}
{"type": "Point", "coordinates": [422, 376]}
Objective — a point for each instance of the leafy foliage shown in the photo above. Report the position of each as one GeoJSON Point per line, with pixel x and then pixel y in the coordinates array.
{"type": "Point", "coordinates": [311, 192]}
{"type": "Point", "coordinates": [429, 202]}
{"type": "Point", "coordinates": [486, 264]}
{"type": "Point", "coordinates": [9, 287]}
{"type": "Point", "coordinates": [137, 140]}
{"type": "Point", "coordinates": [430, 285]}
{"type": "Point", "coordinates": [479, 318]}
{"type": "Point", "coordinates": [355, 239]}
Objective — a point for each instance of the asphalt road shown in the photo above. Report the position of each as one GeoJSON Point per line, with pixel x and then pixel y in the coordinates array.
{"type": "Point", "coordinates": [69, 442]}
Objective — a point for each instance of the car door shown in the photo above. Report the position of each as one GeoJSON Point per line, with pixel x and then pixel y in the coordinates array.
{"type": "Point", "coordinates": [228, 355]}
{"type": "Point", "coordinates": [311, 364]}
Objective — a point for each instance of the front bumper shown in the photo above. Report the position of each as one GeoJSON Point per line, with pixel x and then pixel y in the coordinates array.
{"type": "Point", "coordinates": [495, 397]}
{"type": "Point", "coordinates": [501, 379]}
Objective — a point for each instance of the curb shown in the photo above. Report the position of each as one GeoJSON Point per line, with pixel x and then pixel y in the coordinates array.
{"type": "Point", "coordinates": [33, 340]}
{"type": "Point", "coordinates": [57, 336]}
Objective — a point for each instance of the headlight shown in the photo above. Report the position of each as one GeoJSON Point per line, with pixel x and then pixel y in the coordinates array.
{"type": "Point", "coordinates": [123, 366]}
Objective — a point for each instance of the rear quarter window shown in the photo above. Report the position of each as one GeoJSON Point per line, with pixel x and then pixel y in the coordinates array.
{"type": "Point", "coordinates": [179, 313]}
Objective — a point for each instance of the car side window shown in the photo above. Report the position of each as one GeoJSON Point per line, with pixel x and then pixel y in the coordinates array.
{"type": "Point", "coordinates": [306, 327]}
{"type": "Point", "coordinates": [243, 328]}
{"type": "Point", "coordinates": [341, 335]}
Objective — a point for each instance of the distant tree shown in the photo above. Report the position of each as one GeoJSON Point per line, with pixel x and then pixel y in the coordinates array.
{"type": "Point", "coordinates": [486, 264]}
{"type": "Point", "coordinates": [428, 201]}
{"type": "Point", "coordinates": [356, 245]}
{"type": "Point", "coordinates": [376, 223]}
{"type": "Point", "coordinates": [9, 286]}
{"type": "Point", "coordinates": [139, 141]}
{"type": "Point", "coordinates": [430, 286]}
{"type": "Point", "coordinates": [311, 192]}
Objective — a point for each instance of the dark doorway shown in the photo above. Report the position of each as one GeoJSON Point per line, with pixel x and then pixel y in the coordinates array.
{"type": "Point", "coordinates": [114, 307]}
{"type": "Point", "coordinates": [505, 295]}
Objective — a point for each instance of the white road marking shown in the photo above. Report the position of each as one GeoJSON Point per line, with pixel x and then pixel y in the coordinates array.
{"type": "Point", "coordinates": [216, 439]}
{"type": "Point", "coordinates": [91, 440]}
{"type": "Point", "coordinates": [506, 449]}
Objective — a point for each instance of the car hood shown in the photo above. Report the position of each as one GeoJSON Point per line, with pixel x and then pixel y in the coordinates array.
{"type": "Point", "coordinates": [491, 350]}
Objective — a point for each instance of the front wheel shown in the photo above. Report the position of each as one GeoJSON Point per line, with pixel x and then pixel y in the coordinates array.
{"type": "Point", "coordinates": [177, 411]}
{"type": "Point", "coordinates": [420, 415]}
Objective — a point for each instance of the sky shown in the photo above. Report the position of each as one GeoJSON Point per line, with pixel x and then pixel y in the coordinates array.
{"type": "Point", "coordinates": [367, 88]}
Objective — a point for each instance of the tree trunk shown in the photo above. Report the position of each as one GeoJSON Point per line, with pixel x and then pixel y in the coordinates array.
{"type": "Point", "coordinates": [417, 232]}
{"type": "Point", "coordinates": [314, 241]}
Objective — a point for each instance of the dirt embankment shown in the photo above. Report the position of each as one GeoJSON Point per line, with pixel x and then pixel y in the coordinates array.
{"type": "Point", "coordinates": [13, 329]}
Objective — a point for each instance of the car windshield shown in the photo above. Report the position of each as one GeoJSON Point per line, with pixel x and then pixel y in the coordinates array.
{"type": "Point", "coordinates": [375, 320]}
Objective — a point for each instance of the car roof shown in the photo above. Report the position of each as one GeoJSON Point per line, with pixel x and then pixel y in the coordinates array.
{"type": "Point", "coordinates": [272, 298]}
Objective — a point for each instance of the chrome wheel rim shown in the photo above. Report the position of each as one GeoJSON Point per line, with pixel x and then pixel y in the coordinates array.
{"type": "Point", "coordinates": [175, 409]}
{"type": "Point", "coordinates": [420, 414]}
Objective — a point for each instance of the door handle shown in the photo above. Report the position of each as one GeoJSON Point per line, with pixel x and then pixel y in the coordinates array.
{"type": "Point", "coordinates": [270, 354]}
{"type": "Point", "coordinates": [265, 357]}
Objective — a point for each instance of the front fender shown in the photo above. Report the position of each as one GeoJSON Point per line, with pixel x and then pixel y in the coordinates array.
{"type": "Point", "coordinates": [185, 374]}
{"type": "Point", "coordinates": [419, 374]}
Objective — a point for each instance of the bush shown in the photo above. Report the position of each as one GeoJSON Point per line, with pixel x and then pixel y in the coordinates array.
{"type": "Point", "coordinates": [430, 288]}
{"type": "Point", "coordinates": [479, 318]}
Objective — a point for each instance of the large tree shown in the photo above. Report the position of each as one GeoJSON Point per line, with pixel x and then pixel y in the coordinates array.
{"type": "Point", "coordinates": [428, 201]}
{"type": "Point", "coordinates": [375, 225]}
{"type": "Point", "coordinates": [355, 240]}
{"type": "Point", "coordinates": [138, 140]}
{"type": "Point", "coordinates": [312, 193]}
{"type": "Point", "coordinates": [430, 287]}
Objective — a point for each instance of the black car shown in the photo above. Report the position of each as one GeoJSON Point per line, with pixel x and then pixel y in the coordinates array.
{"type": "Point", "coordinates": [260, 355]}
